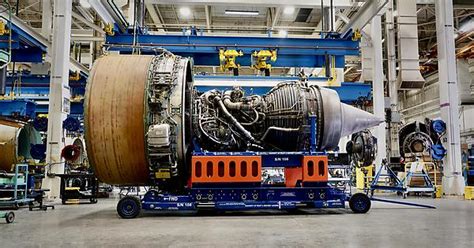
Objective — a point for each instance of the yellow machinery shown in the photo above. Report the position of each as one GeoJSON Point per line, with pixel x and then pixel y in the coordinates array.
{"type": "Point", "coordinates": [364, 176]}
{"type": "Point", "coordinates": [227, 60]}
{"type": "Point", "coordinates": [3, 29]}
{"type": "Point", "coordinates": [75, 76]}
{"type": "Point", "coordinates": [332, 75]}
{"type": "Point", "coordinates": [109, 29]}
{"type": "Point", "coordinates": [469, 193]}
{"type": "Point", "coordinates": [260, 60]}
{"type": "Point", "coordinates": [357, 35]}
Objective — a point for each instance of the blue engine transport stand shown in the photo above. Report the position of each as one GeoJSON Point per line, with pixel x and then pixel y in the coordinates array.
{"type": "Point", "coordinates": [234, 196]}
{"type": "Point", "coordinates": [398, 186]}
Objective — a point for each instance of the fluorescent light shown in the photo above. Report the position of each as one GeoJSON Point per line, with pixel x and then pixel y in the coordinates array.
{"type": "Point", "coordinates": [185, 11]}
{"type": "Point", "coordinates": [85, 3]}
{"type": "Point", "coordinates": [283, 33]}
{"type": "Point", "coordinates": [241, 12]}
{"type": "Point", "coordinates": [289, 10]}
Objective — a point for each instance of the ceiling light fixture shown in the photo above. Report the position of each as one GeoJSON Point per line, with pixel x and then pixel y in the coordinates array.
{"type": "Point", "coordinates": [241, 12]}
{"type": "Point", "coordinates": [289, 10]}
{"type": "Point", "coordinates": [185, 11]}
{"type": "Point", "coordinates": [283, 33]}
{"type": "Point", "coordinates": [85, 4]}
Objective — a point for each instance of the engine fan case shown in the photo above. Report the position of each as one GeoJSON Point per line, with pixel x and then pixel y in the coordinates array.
{"type": "Point", "coordinates": [15, 143]}
{"type": "Point", "coordinates": [116, 115]}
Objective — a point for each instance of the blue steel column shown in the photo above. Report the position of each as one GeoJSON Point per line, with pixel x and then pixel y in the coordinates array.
{"type": "Point", "coordinates": [453, 183]}
{"type": "Point", "coordinates": [59, 95]}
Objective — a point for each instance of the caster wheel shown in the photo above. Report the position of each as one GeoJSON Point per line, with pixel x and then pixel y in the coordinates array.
{"type": "Point", "coordinates": [129, 207]}
{"type": "Point", "coordinates": [10, 217]}
{"type": "Point", "coordinates": [16, 206]}
{"type": "Point", "coordinates": [93, 200]}
{"type": "Point", "coordinates": [359, 203]}
{"type": "Point", "coordinates": [405, 195]}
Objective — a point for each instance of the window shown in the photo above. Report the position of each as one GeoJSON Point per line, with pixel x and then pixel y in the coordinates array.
{"type": "Point", "coordinates": [321, 166]}
{"type": "Point", "coordinates": [232, 169]}
{"type": "Point", "coordinates": [198, 169]}
{"type": "Point", "coordinates": [220, 169]}
{"type": "Point", "coordinates": [243, 169]}
{"type": "Point", "coordinates": [310, 168]}
{"type": "Point", "coordinates": [254, 168]}
{"type": "Point", "coordinates": [210, 169]}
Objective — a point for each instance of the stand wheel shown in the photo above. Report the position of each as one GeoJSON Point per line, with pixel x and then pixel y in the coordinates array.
{"type": "Point", "coordinates": [129, 207]}
{"type": "Point", "coordinates": [16, 206]}
{"type": "Point", "coordinates": [405, 195]}
{"type": "Point", "coordinates": [359, 203]}
{"type": "Point", "coordinates": [93, 200]}
{"type": "Point", "coordinates": [10, 217]}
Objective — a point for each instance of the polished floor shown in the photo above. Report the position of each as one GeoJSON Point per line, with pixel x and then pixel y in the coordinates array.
{"type": "Point", "coordinates": [450, 225]}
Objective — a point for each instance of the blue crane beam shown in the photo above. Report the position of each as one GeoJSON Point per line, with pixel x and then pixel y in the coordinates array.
{"type": "Point", "coordinates": [36, 87]}
{"type": "Point", "coordinates": [25, 47]}
{"type": "Point", "coordinates": [292, 52]}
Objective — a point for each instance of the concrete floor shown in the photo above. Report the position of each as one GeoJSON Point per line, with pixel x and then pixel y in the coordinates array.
{"type": "Point", "coordinates": [451, 225]}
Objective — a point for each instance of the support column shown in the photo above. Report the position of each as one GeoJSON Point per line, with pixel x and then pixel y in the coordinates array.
{"type": "Point", "coordinates": [131, 13]}
{"type": "Point", "coordinates": [329, 15]}
{"type": "Point", "coordinates": [453, 182]}
{"type": "Point", "coordinates": [378, 89]}
{"type": "Point", "coordinates": [59, 94]}
{"type": "Point", "coordinates": [46, 19]}
{"type": "Point", "coordinates": [392, 77]}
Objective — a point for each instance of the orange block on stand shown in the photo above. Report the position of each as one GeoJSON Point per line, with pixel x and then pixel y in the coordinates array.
{"type": "Point", "coordinates": [315, 169]}
{"type": "Point", "coordinates": [226, 169]}
{"type": "Point", "coordinates": [292, 176]}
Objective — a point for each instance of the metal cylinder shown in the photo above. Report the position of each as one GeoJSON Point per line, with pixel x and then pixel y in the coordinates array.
{"type": "Point", "coordinates": [362, 148]}
{"type": "Point", "coordinates": [75, 153]}
{"type": "Point", "coordinates": [3, 80]}
{"type": "Point", "coordinates": [122, 96]}
{"type": "Point", "coordinates": [416, 139]}
{"type": "Point", "coordinates": [15, 143]}
{"type": "Point", "coordinates": [116, 144]}
{"type": "Point", "coordinates": [290, 106]}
